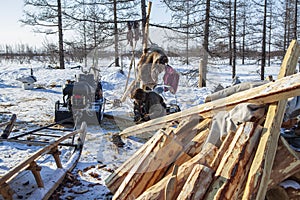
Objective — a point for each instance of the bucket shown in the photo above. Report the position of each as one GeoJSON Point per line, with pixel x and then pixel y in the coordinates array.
{"type": "Point", "coordinates": [27, 86]}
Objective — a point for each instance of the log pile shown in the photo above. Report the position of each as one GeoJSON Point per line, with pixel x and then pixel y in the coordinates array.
{"type": "Point", "coordinates": [178, 163]}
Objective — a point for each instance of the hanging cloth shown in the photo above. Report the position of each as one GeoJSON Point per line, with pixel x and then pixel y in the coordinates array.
{"type": "Point", "coordinates": [136, 27]}
{"type": "Point", "coordinates": [130, 33]}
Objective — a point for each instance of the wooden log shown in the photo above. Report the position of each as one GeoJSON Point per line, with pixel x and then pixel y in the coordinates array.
{"type": "Point", "coordinates": [198, 181]}
{"type": "Point", "coordinates": [286, 163]}
{"type": "Point", "coordinates": [205, 157]}
{"type": "Point", "coordinates": [283, 88]}
{"type": "Point", "coordinates": [263, 161]}
{"type": "Point", "coordinates": [232, 170]}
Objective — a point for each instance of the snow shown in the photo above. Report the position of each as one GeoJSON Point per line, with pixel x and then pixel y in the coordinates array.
{"type": "Point", "coordinates": [35, 108]}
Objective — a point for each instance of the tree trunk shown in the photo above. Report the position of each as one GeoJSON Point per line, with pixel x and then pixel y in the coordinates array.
{"type": "Point", "coordinates": [116, 32]}
{"type": "Point", "coordinates": [205, 42]}
{"type": "Point", "coordinates": [143, 9]}
{"type": "Point", "coordinates": [60, 37]}
{"type": "Point", "coordinates": [263, 51]}
{"type": "Point", "coordinates": [234, 41]}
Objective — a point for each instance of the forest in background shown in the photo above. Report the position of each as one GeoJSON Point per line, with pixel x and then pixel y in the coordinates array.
{"type": "Point", "coordinates": [229, 29]}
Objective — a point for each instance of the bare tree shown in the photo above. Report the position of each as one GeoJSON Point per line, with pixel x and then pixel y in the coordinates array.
{"type": "Point", "coordinates": [46, 17]}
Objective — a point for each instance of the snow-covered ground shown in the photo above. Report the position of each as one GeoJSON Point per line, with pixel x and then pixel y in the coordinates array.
{"type": "Point", "coordinates": [100, 156]}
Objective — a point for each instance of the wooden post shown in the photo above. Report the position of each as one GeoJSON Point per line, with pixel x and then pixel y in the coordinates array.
{"type": "Point", "coordinates": [147, 28]}
{"type": "Point", "coordinates": [200, 81]}
{"type": "Point", "coordinates": [56, 153]}
{"type": "Point", "coordinates": [235, 163]}
{"type": "Point", "coordinates": [35, 169]}
{"type": "Point", "coordinates": [261, 167]}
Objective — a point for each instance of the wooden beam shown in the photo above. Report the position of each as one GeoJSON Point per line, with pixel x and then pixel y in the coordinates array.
{"type": "Point", "coordinates": [268, 93]}
{"type": "Point", "coordinates": [261, 167]}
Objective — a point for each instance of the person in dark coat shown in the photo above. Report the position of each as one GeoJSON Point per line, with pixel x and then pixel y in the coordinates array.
{"type": "Point", "coordinates": [148, 105]}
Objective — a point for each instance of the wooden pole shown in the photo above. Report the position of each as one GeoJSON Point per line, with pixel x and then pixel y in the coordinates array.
{"type": "Point", "coordinates": [261, 167]}
{"type": "Point", "coordinates": [147, 28]}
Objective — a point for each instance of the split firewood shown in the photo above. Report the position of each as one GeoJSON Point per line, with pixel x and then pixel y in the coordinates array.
{"type": "Point", "coordinates": [171, 184]}
{"type": "Point", "coordinates": [233, 167]}
{"type": "Point", "coordinates": [184, 132]}
{"type": "Point", "coordinates": [115, 179]}
{"type": "Point", "coordinates": [197, 183]}
{"type": "Point", "coordinates": [205, 157]}
{"type": "Point", "coordinates": [195, 145]}
{"type": "Point", "coordinates": [149, 168]}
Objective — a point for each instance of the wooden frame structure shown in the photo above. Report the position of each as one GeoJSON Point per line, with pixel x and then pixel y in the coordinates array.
{"type": "Point", "coordinates": [45, 189]}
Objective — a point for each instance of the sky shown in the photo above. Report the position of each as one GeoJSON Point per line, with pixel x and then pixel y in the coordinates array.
{"type": "Point", "coordinates": [12, 32]}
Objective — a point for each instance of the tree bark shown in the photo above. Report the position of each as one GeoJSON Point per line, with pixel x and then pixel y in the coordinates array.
{"type": "Point", "coordinates": [60, 37]}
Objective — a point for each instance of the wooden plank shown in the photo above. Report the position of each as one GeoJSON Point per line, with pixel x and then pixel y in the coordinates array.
{"type": "Point", "coordinates": [117, 177]}
{"type": "Point", "coordinates": [260, 170]}
{"type": "Point", "coordinates": [268, 93]}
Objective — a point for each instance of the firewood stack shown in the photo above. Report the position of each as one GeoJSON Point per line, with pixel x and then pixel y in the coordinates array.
{"type": "Point", "coordinates": [178, 163]}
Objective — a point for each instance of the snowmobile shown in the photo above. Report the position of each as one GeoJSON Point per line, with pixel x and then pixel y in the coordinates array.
{"type": "Point", "coordinates": [82, 101]}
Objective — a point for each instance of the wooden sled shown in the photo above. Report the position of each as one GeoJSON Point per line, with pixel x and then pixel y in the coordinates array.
{"type": "Point", "coordinates": [18, 182]}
